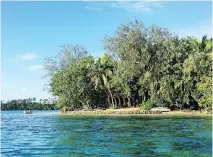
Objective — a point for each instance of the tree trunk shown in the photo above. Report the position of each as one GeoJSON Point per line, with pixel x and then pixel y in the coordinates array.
{"type": "Point", "coordinates": [119, 101]}
{"type": "Point", "coordinates": [146, 95]}
{"type": "Point", "coordinates": [108, 101]}
{"type": "Point", "coordinates": [111, 98]}
{"type": "Point", "coordinates": [129, 101]}
{"type": "Point", "coordinates": [109, 95]}
{"type": "Point", "coordinates": [115, 102]}
{"type": "Point", "coordinates": [124, 101]}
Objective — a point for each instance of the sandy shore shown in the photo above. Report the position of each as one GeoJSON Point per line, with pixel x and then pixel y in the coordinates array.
{"type": "Point", "coordinates": [134, 111]}
{"type": "Point", "coordinates": [193, 113]}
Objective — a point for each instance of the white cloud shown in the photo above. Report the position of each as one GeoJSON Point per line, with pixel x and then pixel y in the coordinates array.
{"type": "Point", "coordinates": [23, 89]}
{"type": "Point", "coordinates": [199, 29]}
{"type": "Point", "coordinates": [93, 8]}
{"type": "Point", "coordinates": [140, 6]}
{"type": "Point", "coordinates": [35, 67]}
{"type": "Point", "coordinates": [134, 6]}
{"type": "Point", "coordinates": [29, 56]}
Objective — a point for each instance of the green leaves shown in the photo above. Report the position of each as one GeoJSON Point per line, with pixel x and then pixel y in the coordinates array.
{"type": "Point", "coordinates": [205, 89]}
{"type": "Point", "coordinates": [105, 80]}
{"type": "Point", "coordinates": [165, 69]}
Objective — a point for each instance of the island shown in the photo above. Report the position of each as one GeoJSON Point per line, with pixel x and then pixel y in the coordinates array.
{"type": "Point", "coordinates": [142, 68]}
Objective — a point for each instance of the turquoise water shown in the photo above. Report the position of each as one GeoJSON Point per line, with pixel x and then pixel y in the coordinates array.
{"type": "Point", "coordinates": [46, 133]}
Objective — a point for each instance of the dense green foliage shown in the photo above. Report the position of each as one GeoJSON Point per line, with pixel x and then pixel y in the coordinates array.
{"type": "Point", "coordinates": [142, 65]}
{"type": "Point", "coordinates": [29, 104]}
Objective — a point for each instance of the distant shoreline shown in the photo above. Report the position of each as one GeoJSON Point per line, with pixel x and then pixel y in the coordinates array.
{"type": "Point", "coordinates": [135, 111]}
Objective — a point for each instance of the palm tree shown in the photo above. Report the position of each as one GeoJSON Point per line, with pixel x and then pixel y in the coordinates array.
{"type": "Point", "coordinates": [34, 99]}
{"type": "Point", "coordinates": [205, 45]}
{"type": "Point", "coordinates": [103, 74]}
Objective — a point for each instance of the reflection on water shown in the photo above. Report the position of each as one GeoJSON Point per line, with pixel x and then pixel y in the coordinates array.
{"type": "Point", "coordinates": [46, 133]}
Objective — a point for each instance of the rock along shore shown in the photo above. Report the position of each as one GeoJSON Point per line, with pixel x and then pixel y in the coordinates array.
{"type": "Point", "coordinates": [133, 111]}
{"type": "Point", "coordinates": [95, 112]}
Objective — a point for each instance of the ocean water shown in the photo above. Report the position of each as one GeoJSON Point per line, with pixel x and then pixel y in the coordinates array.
{"type": "Point", "coordinates": [47, 133]}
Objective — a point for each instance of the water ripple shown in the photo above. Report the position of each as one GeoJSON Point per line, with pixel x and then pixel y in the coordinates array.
{"type": "Point", "coordinates": [46, 133]}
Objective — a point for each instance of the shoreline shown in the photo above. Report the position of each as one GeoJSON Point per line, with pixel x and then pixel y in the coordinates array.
{"type": "Point", "coordinates": [136, 111]}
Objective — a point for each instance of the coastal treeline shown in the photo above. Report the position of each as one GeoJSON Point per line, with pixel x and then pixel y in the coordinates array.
{"type": "Point", "coordinates": [29, 104]}
{"type": "Point", "coordinates": [142, 66]}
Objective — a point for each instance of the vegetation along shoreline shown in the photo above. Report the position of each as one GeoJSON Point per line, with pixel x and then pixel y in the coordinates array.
{"type": "Point", "coordinates": [142, 68]}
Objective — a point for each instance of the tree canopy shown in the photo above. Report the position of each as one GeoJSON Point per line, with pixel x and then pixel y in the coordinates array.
{"type": "Point", "coordinates": [29, 104]}
{"type": "Point", "coordinates": [140, 65]}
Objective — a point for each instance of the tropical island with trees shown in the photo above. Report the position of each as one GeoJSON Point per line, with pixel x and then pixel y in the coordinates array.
{"type": "Point", "coordinates": [142, 68]}
{"type": "Point", "coordinates": [29, 104]}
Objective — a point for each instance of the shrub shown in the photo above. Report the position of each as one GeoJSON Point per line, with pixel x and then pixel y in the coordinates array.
{"type": "Point", "coordinates": [153, 103]}
{"type": "Point", "coordinates": [157, 102]}
{"type": "Point", "coordinates": [146, 105]}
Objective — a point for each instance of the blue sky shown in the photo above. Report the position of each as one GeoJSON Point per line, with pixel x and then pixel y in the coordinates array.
{"type": "Point", "coordinates": [32, 31]}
